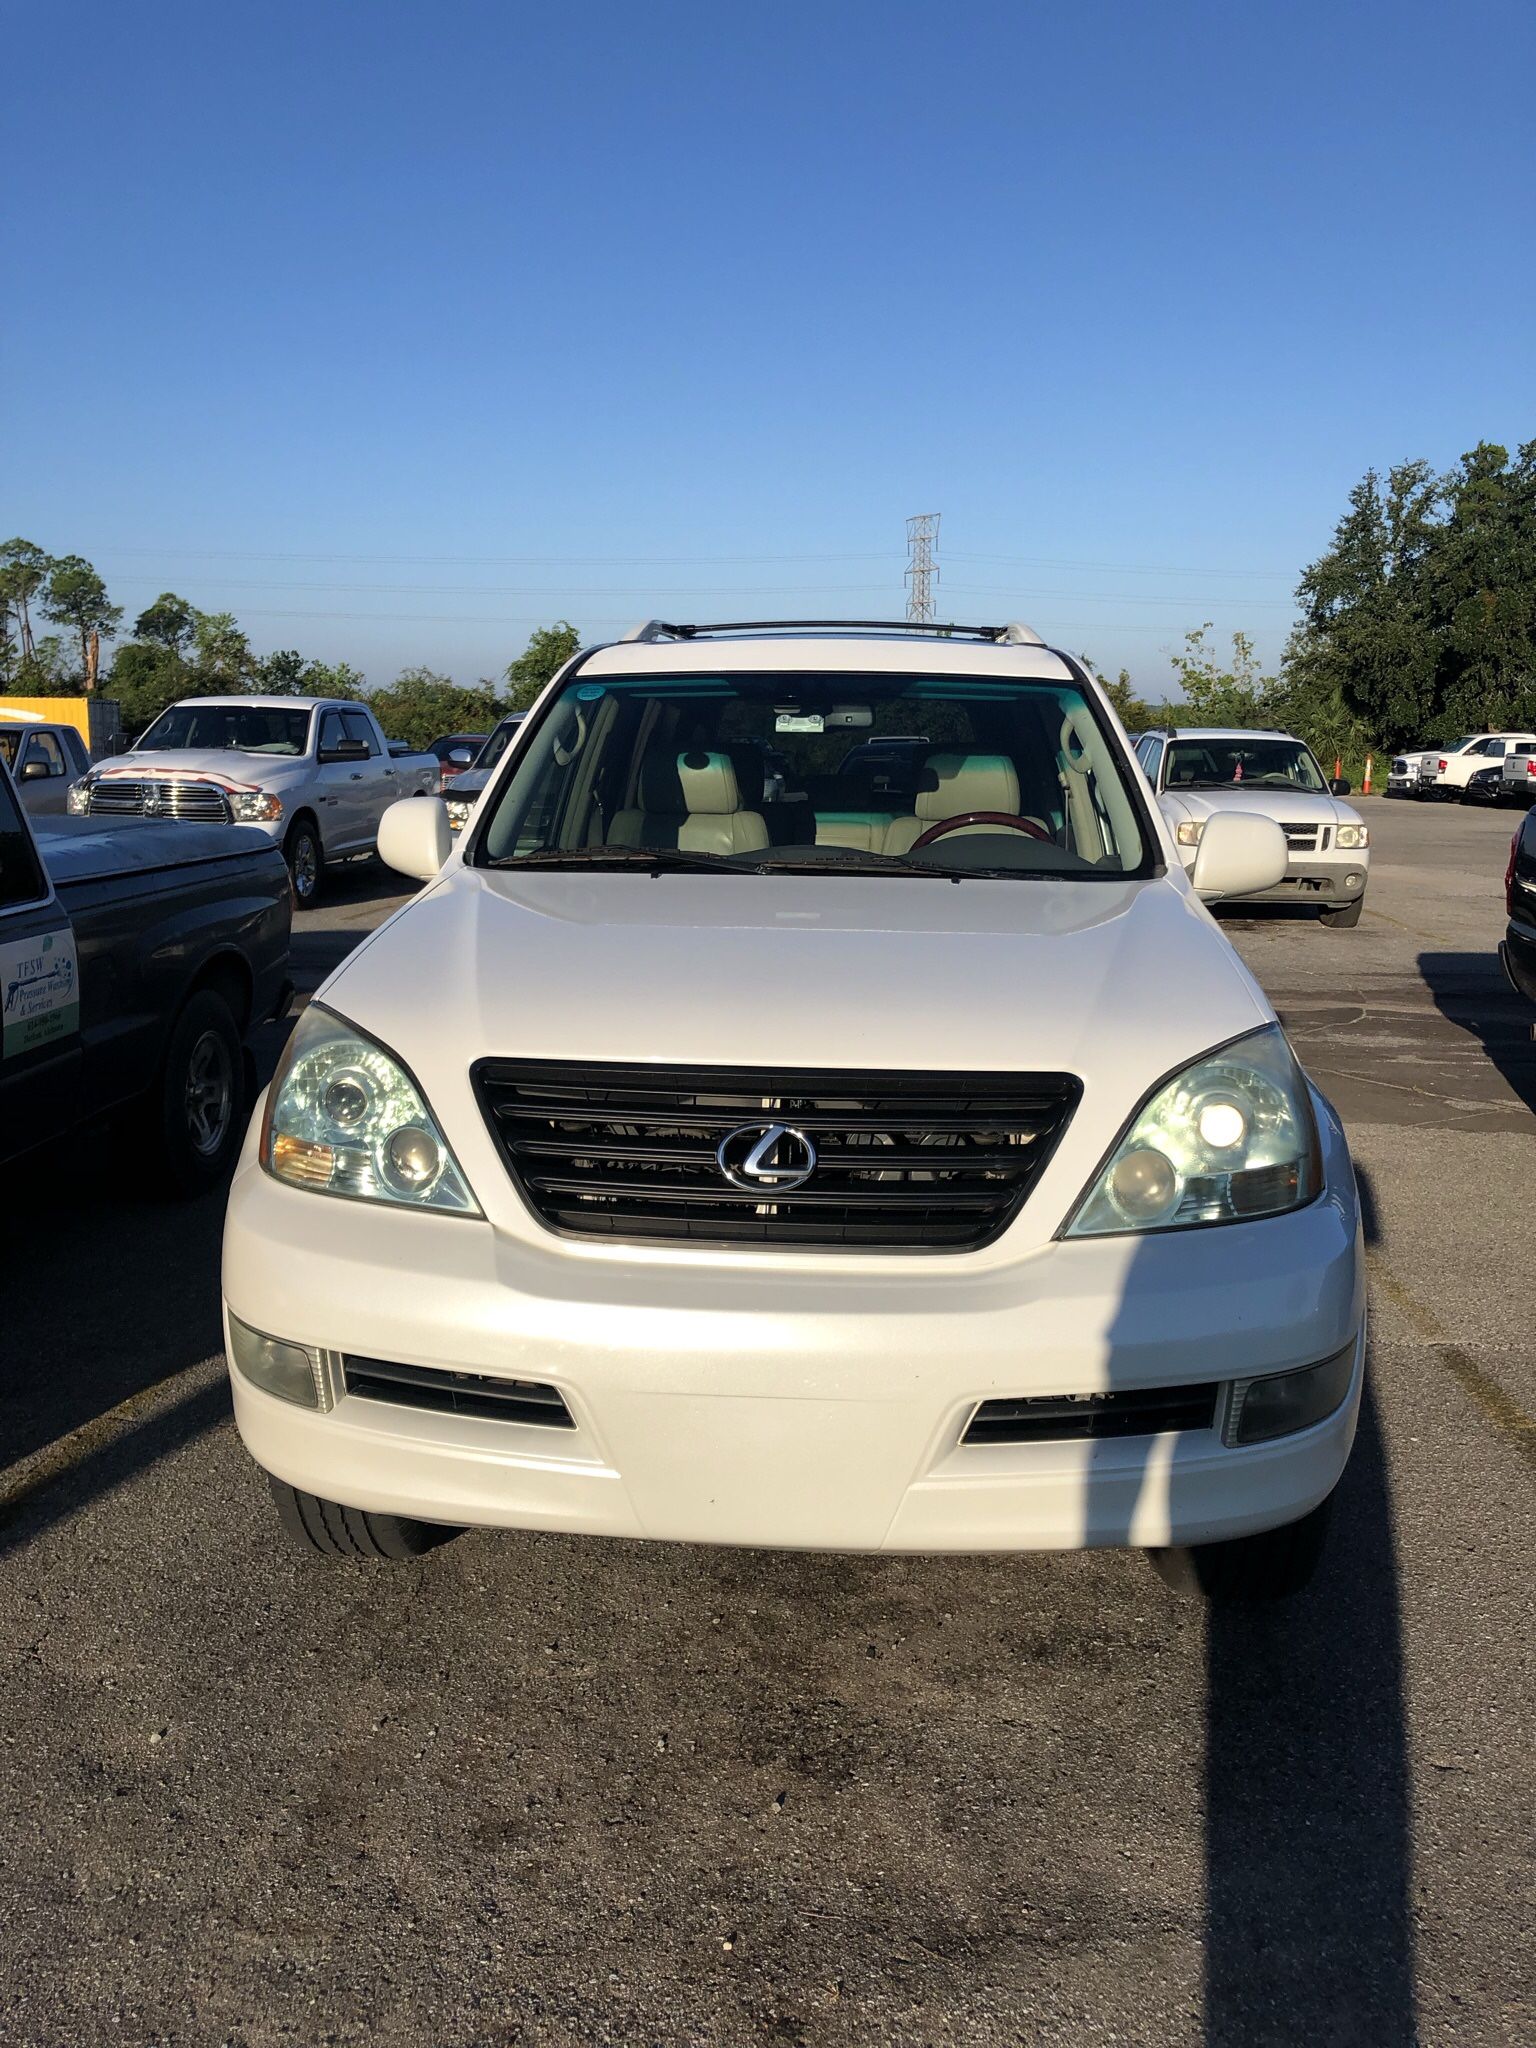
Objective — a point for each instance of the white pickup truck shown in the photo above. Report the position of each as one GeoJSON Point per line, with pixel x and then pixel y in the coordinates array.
{"type": "Point", "coordinates": [315, 773]}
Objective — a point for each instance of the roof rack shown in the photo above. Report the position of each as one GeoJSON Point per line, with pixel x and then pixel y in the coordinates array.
{"type": "Point", "coordinates": [1014, 634]}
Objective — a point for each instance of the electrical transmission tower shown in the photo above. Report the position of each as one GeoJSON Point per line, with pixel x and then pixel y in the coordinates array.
{"type": "Point", "coordinates": [922, 569]}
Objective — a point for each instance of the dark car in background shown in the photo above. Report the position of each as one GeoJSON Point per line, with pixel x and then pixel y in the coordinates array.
{"type": "Point", "coordinates": [135, 959]}
{"type": "Point", "coordinates": [469, 784]}
{"type": "Point", "coordinates": [455, 752]}
{"type": "Point", "coordinates": [1518, 951]}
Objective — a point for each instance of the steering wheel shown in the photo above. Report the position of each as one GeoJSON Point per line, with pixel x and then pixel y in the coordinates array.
{"type": "Point", "coordinates": [1009, 820]}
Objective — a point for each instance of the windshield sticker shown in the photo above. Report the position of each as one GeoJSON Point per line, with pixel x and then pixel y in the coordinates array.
{"type": "Point", "coordinates": [39, 992]}
{"type": "Point", "coordinates": [589, 691]}
{"type": "Point", "coordinates": [799, 721]}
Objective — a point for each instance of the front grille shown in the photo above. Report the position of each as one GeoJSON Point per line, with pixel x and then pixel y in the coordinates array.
{"type": "Point", "coordinates": [456, 1393]}
{"type": "Point", "coordinates": [1305, 838]}
{"type": "Point", "coordinates": [905, 1162]}
{"type": "Point", "coordinates": [1062, 1418]}
{"type": "Point", "coordinates": [118, 797]}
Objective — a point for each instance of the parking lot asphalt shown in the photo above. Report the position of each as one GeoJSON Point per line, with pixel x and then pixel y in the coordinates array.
{"type": "Point", "coordinates": [545, 1789]}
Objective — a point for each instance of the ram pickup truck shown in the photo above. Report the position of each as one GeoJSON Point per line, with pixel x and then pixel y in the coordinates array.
{"type": "Point", "coordinates": [134, 959]}
{"type": "Point", "coordinates": [900, 1162]}
{"type": "Point", "coordinates": [1447, 773]}
{"type": "Point", "coordinates": [314, 773]}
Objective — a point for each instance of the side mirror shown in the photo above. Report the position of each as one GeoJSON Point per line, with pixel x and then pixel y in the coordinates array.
{"type": "Point", "coordinates": [345, 750]}
{"type": "Point", "coordinates": [414, 836]}
{"type": "Point", "coordinates": [1339, 785]}
{"type": "Point", "coordinates": [35, 771]}
{"type": "Point", "coordinates": [461, 757]}
{"type": "Point", "coordinates": [1239, 856]}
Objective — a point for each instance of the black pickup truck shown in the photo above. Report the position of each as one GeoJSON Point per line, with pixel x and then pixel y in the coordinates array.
{"type": "Point", "coordinates": [134, 960]}
{"type": "Point", "coordinates": [1518, 951]}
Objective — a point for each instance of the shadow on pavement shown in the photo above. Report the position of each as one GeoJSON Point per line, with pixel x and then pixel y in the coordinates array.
{"type": "Point", "coordinates": [1471, 992]}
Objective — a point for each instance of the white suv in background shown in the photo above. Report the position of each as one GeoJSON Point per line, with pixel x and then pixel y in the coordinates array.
{"type": "Point", "coordinates": [1199, 771]}
{"type": "Point", "coordinates": [887, 1152]}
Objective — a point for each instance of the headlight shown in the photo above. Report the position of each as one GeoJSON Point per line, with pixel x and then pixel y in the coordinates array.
{"type": "Point", "coordinates": [255, 806]}
{"type": "Point", "coordinates": [459, 809]}
{"type": "Point", "coordinates": [1187, 831]}
{"type": "Point", "coordinates": [1352, 835]}
{"type": "Point", "coordinates": [1232, 1137]}
{"type": "Point", "coordinates": [77, 798]}
{"type": "Point", "coordinates": [343, 1117]}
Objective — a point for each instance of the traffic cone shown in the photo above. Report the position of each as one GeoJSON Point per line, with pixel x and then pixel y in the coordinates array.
{"type": "Point", "coordinates": [1365, 787]}
{"type": "Point", "coordinates": [1338, 766]}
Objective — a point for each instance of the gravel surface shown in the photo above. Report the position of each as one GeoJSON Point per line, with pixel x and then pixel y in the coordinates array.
{"type": "Point", "coordinates": [538, 1789]}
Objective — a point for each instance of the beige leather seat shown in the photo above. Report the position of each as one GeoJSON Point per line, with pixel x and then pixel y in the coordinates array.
{"type": "Point", "coordinates": [967, 782]}
{"type": "Point", "coordinates": [690, 799]}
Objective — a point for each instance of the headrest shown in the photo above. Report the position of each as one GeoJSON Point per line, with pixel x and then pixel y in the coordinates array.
{"type": "Point", "coordinates": [661, 793]}
{"type": "Point", "coordinates": [710, 788]}
{"type": "Point", "coordinates": [969, 782]}
{"type": "Point", "coordinates": [748, 763]}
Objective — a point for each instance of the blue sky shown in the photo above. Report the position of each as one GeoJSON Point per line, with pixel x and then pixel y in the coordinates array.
{"type": "Point", "coordinates": [397, 330]}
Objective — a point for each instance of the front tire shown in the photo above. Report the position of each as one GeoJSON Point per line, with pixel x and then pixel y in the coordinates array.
{"type": "Point", "coordinates": [328, 1529]}
{"type": "Point", "coordinates": [1248, 1570]}
{"type": "Point", "coordinates": [1346, 919]}
{"type": "Point", "coordinates": [306, 861]}
{"type": "Point", "coordinates": [201, 1094]}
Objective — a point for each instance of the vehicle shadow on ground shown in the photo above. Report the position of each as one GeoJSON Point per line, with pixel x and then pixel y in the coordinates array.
{"type": "Point", "coordinates": [1471, 992]}
{"type": "Point", "coordinates": [96, 1312]}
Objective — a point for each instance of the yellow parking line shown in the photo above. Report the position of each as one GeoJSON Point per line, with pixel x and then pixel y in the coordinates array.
{"type": "Point", "coordinates": [1496, 1406]}
{"type": "Point", "coordinates": [42, 1468]}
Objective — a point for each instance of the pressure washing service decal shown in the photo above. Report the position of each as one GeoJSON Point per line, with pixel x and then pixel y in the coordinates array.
{"type": "Point", "coordinates": [39, 990]}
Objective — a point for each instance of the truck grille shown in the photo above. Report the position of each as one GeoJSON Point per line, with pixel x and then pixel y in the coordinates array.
{"type": "Point", "coordinates": [1306, 838]}
{"type": "Point", "coordinates": [162, 797]}
{"type": "Point", "coordinates": [903, 1162]}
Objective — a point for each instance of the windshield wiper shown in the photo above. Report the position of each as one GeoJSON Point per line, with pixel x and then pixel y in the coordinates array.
{"type": "Point", "coordinates": [655, 858]}
{"type": "Point", "coordinates": [840, 860]}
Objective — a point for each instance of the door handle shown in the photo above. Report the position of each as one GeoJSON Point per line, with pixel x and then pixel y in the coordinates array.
{"type": "Point", "coordinates": [357, 774]}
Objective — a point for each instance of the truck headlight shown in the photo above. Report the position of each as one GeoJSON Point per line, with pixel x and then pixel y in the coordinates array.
{"type": "Point", "coordinates": [77, 798]}
{"type": "Point", "coordinates": [344, 1117]}
{"type": "Point", "coordinates": [1187, 831]}
{"type": "Point", "coordinates": [1352, 835]}
{"type": "Point", "coordinates": [1231, 1138]}
{"type": "Point", "coordinates": [458, 808]}
{"type": "Point", "coordinates": [255, 806]}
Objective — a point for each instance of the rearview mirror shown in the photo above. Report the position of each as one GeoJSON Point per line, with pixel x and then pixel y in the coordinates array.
{"type": "Point", "coordinates": [1240, 855]}
{"type": "Point", "coordinates": [415, 837]}
{"type": "Point", "coordinates": [1339, 785]}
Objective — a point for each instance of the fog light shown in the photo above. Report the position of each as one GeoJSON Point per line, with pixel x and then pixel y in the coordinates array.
{"type": "Point", "coordinates": [1284, 1402]}
{"type": "Point", "coordinates": [290, 1371]}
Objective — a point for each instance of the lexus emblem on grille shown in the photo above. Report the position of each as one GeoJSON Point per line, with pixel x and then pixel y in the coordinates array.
{"type": "Point", "coordinates": [766, 1158]}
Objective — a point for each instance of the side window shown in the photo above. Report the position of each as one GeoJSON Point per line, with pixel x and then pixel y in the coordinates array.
{"type": "Point", "coordinates": [358, 728]}
{"type": "Point", "coordinates": [1494, 747]}
{"type": "Point", "coordinates": [42, 746]}
{"type": "Point", "coordinates": [332, 731]}
{"type": "Point", "coordinates": [21, 879]}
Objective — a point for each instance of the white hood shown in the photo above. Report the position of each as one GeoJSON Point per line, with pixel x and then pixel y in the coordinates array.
{"type": "Point", "coordinates": [1285, 806]}
{"type": "Point", "coordinates": [224, 765]}
{"type": "Point", "coordinates": [1102, 979]}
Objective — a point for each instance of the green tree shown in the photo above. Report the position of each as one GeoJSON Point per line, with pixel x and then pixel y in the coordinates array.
{"type": "Point", "coordinates": [1482, 589]}
{"type": "Point", "coordinates": [547, 652]}
{"type": "Point", "coordinates": [1233, 694]}
{"type": "Point", "coordinates": [168, 622]}
{"type": "Point", "coordinates": [1134, 712]}
{"type": "Point", "coordinates": [286, 673]}
{"type": "Point", "coordinates": [145, 677]}
{"type": "Point", "coordinates": [221, 653]}
{"type": "Point", "coordinates": [75, 596]}
{"type": "Point", "coordinates": [421, 706]}
{"type": "Point", "coordinates": [23, 571]}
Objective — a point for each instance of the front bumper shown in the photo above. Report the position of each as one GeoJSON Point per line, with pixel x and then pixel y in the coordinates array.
{"type": "Point", "coordinates": [715, 1403]}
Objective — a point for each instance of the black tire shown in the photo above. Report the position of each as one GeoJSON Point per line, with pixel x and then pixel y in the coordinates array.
{"type": "Point", "coordinates": [1346, 919]}
{"type": "Point", "coordinates": [198, 1110]}
{"type": "Point", "coordinates": [1249, 1570]}
{"type": "Point", "coordinates": [306, 861]}
{"type": "Point", "coordinates": [330, 1530]}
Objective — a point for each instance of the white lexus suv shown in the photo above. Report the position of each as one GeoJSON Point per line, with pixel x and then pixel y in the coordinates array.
{"type": "Point", "coordinates": [755, 1135]}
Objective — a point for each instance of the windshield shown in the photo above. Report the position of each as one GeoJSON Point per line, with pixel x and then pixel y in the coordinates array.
{"type": "Point", "coordinates": [764, 773]}
{"type": "Point", "coordinates": [498, 743]}
{"type": "Point", "coordinates": [1227, 764]}
{"type": "Point", "coordinates": [242, 728]}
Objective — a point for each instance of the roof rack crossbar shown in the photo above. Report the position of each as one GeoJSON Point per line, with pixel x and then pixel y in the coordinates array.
{"type": "Point", "coordinates": [1014, 634]}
